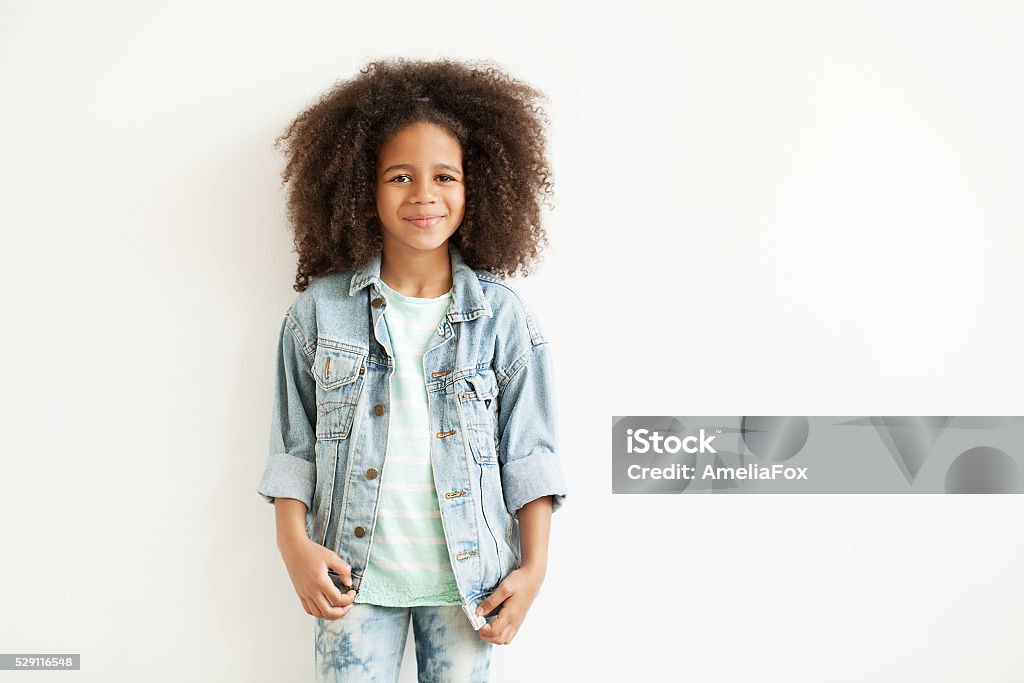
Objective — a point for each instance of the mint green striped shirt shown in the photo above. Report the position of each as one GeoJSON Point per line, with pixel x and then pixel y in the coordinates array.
{"type": "Point", "coordinates": [409, 563]}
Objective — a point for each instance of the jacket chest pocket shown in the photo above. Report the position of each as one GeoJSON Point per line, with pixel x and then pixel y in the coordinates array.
{"type": "Point", "coordinates": [339, 375]}
{"type": "Point", "coordinates": [478, 408]}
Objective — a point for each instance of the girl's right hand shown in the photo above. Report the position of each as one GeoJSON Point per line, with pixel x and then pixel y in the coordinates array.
{"type": "Point", "coordinates": [307, 562]}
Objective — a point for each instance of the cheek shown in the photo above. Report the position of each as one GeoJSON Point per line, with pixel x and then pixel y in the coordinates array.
{"type": "Point", "coordinates": [386, 201]}
{"type": "Point", "coordinates": [457, 199]}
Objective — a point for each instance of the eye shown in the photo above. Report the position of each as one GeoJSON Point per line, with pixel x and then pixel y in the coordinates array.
{"type": "Point", "coordinates": [400, 175]}
{"type": "Point", "coordinates": [443, 175]}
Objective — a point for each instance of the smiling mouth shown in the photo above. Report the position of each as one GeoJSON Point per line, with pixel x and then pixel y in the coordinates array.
{"type": "Point", "coordinates": [425, 221]}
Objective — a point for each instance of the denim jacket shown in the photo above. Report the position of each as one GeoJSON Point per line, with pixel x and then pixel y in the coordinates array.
{"type": "Point", "coordinates": [491, 406]}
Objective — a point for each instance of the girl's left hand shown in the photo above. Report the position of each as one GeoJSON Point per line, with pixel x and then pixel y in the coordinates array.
{"type": "Point", "coordinates": [515, 595]}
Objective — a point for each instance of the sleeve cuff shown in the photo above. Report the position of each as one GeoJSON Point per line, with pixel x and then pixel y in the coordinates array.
{"type": "Point", "coordinates": [529, 478]}
{"type": "Point", "coordinates": [287, 476]}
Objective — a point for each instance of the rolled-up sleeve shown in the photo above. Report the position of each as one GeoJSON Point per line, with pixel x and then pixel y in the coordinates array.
{"type": "Point", "coordinates": [528, 431]}
{"type": "Point", "coordinates": [291, 465]}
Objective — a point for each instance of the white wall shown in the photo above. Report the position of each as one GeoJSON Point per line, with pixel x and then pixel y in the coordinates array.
{"type": "Point", "coordinates": [763, 208]}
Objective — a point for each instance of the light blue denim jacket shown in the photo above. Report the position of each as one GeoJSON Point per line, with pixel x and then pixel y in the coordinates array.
{"type": "Point", "coordinates": [493, 424]}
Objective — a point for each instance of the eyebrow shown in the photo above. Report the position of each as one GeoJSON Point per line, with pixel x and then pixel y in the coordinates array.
{"type": "Point", "coordinates": [410, 167]}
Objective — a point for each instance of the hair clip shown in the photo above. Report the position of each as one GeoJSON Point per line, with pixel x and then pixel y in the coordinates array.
{"type": "Point", "coordinates": [423, 99]}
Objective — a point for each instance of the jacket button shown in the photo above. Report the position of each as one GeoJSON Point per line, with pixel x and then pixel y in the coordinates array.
{"type": "Point", "coordinates": [378, 410]}
{"type": "Point", "coordinates": [377, 303]}
{"type": "Point", "coordinates": [372, 473]}
{"type": "Point", "coordinates": [360, 532]}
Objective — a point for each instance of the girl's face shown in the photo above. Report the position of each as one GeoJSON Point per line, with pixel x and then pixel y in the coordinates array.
{"type": "Point", "coordinates": [421, 196]}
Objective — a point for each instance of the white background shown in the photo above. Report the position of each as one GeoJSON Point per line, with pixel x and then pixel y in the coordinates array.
{"type": "Point", "coordinates": [763, 208]}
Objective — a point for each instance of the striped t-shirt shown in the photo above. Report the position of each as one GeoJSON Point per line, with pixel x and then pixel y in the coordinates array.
{"type": "Point", "coordinates": [409, 563]}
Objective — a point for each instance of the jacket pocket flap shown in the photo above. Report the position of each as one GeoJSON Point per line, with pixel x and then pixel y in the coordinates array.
{"type": "Point", "coordinates": [481, 388]}
{"type": "Point", "coordinates": [333, 368]}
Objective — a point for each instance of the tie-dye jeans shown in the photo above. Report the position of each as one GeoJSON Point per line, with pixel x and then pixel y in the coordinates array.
{"type": "Point", "coordinates": [367, 645]}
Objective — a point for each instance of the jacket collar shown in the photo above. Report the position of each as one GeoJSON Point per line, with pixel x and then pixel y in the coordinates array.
{"type": "Point", "coordinates": [468, 301]}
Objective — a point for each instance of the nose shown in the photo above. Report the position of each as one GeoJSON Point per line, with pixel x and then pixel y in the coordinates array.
{"type": "Point", "coordinates": [423, 192]}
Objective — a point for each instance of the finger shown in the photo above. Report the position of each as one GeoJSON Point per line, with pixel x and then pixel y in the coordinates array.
{"type": "Point", "coordinates": [498, 637]}
{"type": "Point", "coordinates": [501, 622]}
{"type": "Point", "coordinates": [328, 611]}
{"type": "Point", "coordinates": [320, 607]}
{"type": "Point", "coordinates": [496, 627]}
{"type": "Point", "coordinates": [346, 599]}
{"type": "Point", "coordinates": [343, 611]}
{"type": "Point", "coordinates": [331, 590]}
{"type": "Point", "coordinates": [486, 633]}
{"type": "Point", "coordinates": [508, 631]}
{"type": "Point", "coordinates": [342, 567]}
{"type": "Point", "coordinates": [496, 598]}
{"type": "Point", "coordinates": [305, 606]}
{"type": "Point", "coordinates": [312, 607]}
{"type": "Point", "coordinates": [503, 637]}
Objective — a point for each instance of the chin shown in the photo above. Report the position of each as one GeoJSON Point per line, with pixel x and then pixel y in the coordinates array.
{"type": "Point", "coordinates": [414, 238]}
{"type": "Point", "coordinates": [424, 244]}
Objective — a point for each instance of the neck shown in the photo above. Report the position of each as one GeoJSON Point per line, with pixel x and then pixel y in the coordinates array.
{"type": "Point", "coordinates": [414, 272]}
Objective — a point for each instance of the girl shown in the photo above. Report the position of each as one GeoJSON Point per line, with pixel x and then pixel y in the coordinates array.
{"type": "Point", "coordinates": [413, 462]}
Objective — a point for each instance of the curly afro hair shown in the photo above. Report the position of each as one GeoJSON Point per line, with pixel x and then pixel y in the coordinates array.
{"type": "Point", "coordinates": [332, 147]}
